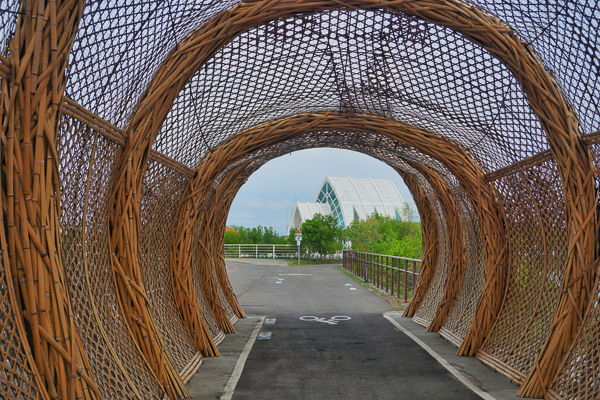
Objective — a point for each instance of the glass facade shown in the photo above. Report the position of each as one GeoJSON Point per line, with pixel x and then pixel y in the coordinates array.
{"type": "Point", "coordinates": [327, 195]}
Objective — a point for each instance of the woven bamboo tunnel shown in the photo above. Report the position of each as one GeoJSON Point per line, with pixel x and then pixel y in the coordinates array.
{"type": "Point", "coordinates": [455, 250]}
{"type": "Point", "coordinates": [537, 242]}
{"type": "Point", "coordinates": [461, 316]}
{"type": "Point", "coordinates": [162, 190]}
{"type": "Point", "coordinates": [430, 240]}
{"type": "Point", "coordinates": [115, 196]}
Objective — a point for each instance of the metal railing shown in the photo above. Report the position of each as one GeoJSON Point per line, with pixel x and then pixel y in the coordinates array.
{"type": "Point", "coordinates": [389, 273]}
{"type": "Point", "coordinates": [260, 251]}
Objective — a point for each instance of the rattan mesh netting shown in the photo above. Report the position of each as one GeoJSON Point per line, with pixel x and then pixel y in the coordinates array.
{"type": "Point", "coordinates": [128, 127]}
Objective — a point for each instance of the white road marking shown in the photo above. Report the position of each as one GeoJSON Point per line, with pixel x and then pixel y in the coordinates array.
{"type": "Point", "coordinates": [331, 321]}
{"type": "Point", "coordinates": [239, 366]}
{"type": "Point", "coordinates": [439, 358]}
{"type": "Point", "coordinates": [348, 284]}
{"type": "Point", "coordinates": [353, 288]}
{"type": "Point", "coordinates": [270, 321]}
{"type": "Point", "coordinates": [295, 274]}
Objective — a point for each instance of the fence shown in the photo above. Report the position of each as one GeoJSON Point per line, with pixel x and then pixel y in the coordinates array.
{"type": "Point", "coordinates": [260, 251]}
{"type": "Point", "coordinates": [383, 271]}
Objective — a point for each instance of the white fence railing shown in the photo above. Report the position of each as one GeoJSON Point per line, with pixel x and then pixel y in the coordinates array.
{"type": "Point", "coordinates": [260, 251]}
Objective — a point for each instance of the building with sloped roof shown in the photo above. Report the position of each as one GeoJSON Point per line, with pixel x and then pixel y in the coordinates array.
{"type": "Point", "coordinates": [350, 199]}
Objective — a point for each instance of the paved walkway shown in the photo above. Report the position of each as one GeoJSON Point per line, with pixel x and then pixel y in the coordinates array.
{"type": "Point", "coordinates": [333, 338]}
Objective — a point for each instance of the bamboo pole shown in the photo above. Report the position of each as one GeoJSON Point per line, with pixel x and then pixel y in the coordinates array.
{"type": "Point", "coordinates": [456, 251]}
{"type": "Point", "coordinates": [430, 242]}
{"type": "Point", "coordinates": [32, 91]}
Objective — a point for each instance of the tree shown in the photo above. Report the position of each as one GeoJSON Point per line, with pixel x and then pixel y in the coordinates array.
{"type": "Point", "coordinates": [409, 215]}
{"type": "Point", "coordinates": [363, 234]}
{"type": "Point", "coordinates": [291, 238]}
{"type": "Point", "coordinates": [386, 235]}
{"type": "Point", "coordinates": [232, 237]}
{"type": "Point", "coordinates": [321, 234]}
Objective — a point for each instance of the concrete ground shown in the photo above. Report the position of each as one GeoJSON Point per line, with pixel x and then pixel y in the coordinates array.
{"type": "Point", "coordinates": [331, 339]}
{"type": "Point", "coordinates": [258, 261]}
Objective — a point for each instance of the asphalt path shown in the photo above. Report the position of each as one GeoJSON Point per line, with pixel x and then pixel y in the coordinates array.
{"type": "Point", "coordinates": [312, 355]}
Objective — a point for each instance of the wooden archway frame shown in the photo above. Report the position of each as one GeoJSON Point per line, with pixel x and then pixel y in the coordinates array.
{"type": "Point", "coordinates": [41, 72]}
{"type": "Point", "coordinates": [33, 84]}
{"type": "Point", "coordinates": [542, 92]}
{"type": "Point", "coordinates": [216, 203]}
{"type": "Point", "coordinates": [459, 163]}
{"type": "Point", "coordinates": [430, 241]}
{"type": "Point", "coordinates": [457, 253]}
{"type": "Point", "coordinates": [456, 241]}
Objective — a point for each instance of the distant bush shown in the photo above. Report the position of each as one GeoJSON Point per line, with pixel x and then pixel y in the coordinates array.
{"type": "Point", "coordinates": [386, 235]}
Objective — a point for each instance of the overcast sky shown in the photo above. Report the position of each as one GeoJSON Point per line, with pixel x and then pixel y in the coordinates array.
{"type": "Point", "coordinates": [269, 196]}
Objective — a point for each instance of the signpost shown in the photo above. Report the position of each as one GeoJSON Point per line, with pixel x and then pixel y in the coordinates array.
{"type": "Point", "coordinates": [298, 240]}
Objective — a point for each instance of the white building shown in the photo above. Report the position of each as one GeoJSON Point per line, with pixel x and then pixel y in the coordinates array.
{"type": "Point", "coordinates": [350, 199]}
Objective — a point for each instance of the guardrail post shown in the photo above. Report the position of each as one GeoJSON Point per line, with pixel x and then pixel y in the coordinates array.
{"type": "Point", "coordinates": [405, 281]}
{"type": "Point", "coordinates": [387, 273]}
{"type": "Point", "coordinates": [392, 270]}
{"type": "Point", "coordinates": [398, 278]}
{"type": "Point", "coordinates": [377, 266]}
{"type": "Point", "coordinates": [414, 275]}
{"type": "Point", "coordinates": [380, 271]}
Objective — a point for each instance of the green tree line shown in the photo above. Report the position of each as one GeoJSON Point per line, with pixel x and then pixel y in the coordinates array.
{"type": "Point", "coordinates": [322, 237]}
{"type": "Point", "coordinates": [377, 234]}
{"type": "Point", "coordinates": [256, 235]}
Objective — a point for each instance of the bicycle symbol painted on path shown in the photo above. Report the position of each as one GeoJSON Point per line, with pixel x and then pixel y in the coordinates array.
{"type": "Point", "coordinates": [331, 321]}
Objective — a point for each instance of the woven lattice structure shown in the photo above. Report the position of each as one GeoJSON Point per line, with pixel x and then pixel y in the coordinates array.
{"type": "Point", "coordinates": [127, 129]}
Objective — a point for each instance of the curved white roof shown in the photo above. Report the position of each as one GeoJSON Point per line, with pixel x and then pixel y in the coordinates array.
{"type": "Point", "coordinates": [304, 211]}
{"type": "Point", "coordinates": [350, 198]}
{"type": "Point", "coordinates": [365, 195]}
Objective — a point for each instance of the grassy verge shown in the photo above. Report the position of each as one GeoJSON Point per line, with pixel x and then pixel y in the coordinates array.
{"type": "Point", "coordinates": [396, 303]}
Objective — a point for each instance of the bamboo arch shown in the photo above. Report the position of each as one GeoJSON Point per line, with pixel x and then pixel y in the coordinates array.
{"type": "Point", "coordinates": [457, 160]}
{"type": "Point", "coordinates": [456, 236]}
{"type": "Point", "coordinates": [544, 96]}
{"type": "Point", "coordinates": [33, 83]}
{"type": "Point", "coordinates": [32, 88]}
{"type": "Point", "coordinates": [430, 242]}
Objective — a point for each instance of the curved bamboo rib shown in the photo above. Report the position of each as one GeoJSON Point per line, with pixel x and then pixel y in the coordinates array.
{"type": "Point", "coordinates": [456, 239]}
{"type": "Point", "coordinates": [33, 79]}
{"type": "Point", "coordinates": [222, 202]}
{"type": "Point", "coordinates": [430, 242]}
{"type": "Point", "coordinates": [181, 264]}
{"type": "Point", "coordinates": [458, 161]}
{"type": "Point", "coordinates": [544, 96]}
{"type": "Point", "coordinates": [32, 92]}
